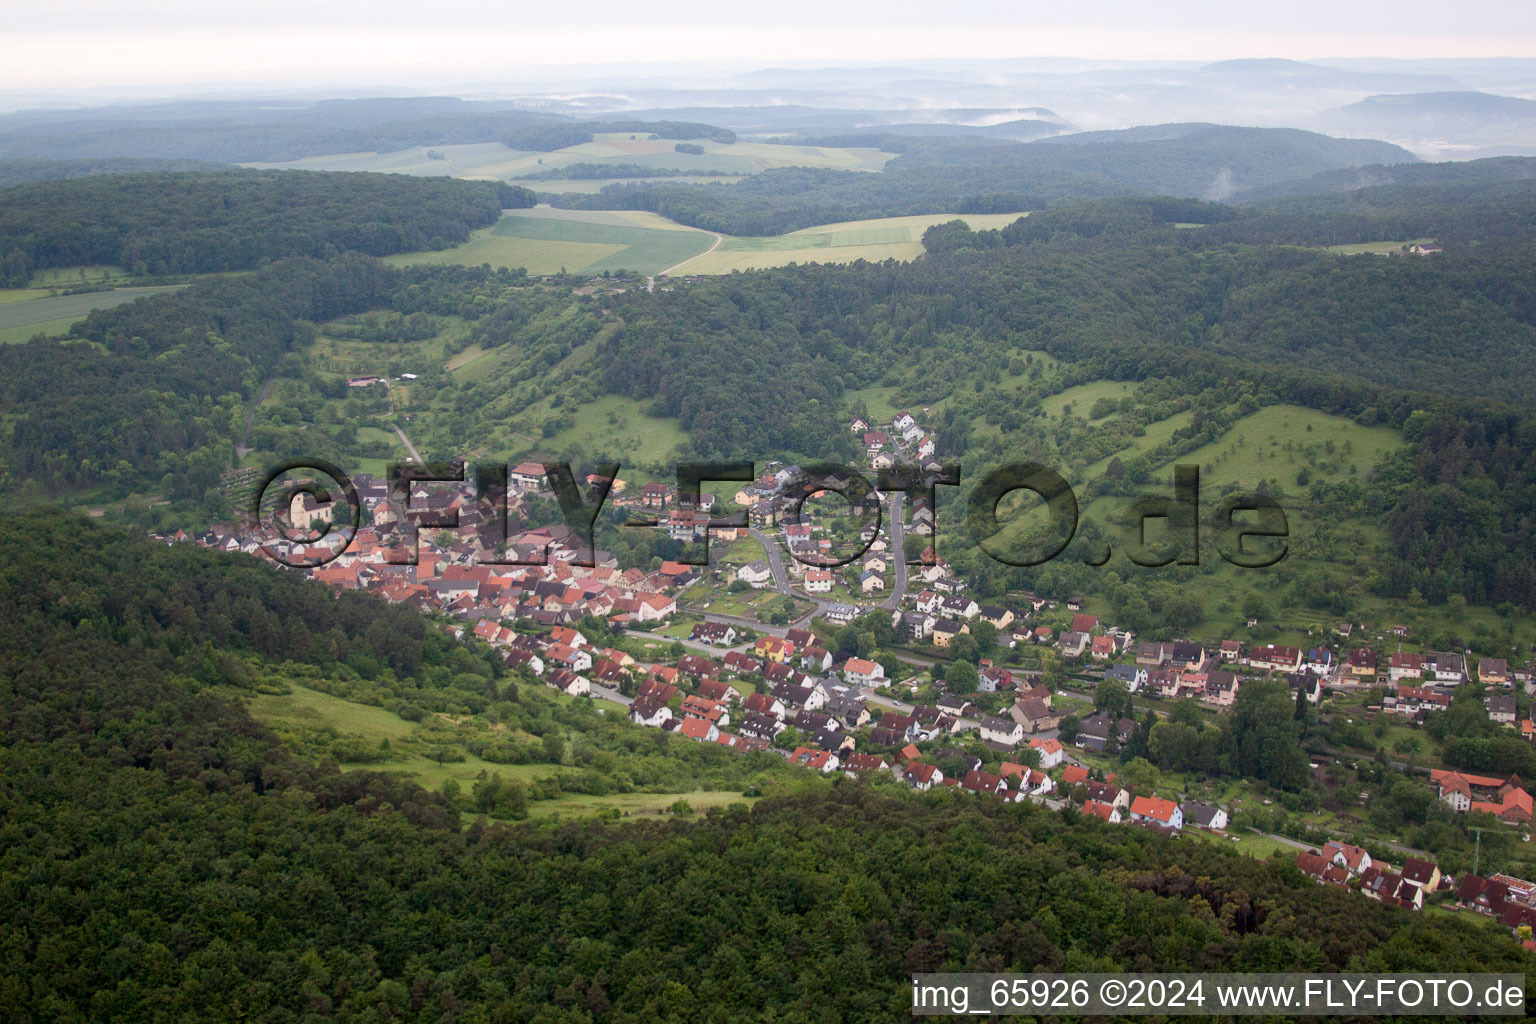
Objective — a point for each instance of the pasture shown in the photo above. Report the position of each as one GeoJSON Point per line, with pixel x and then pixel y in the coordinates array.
{"type": "Point", "coordinates": [615, 426]}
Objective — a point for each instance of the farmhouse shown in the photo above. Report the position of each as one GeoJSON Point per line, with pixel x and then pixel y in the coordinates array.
{"type": "Point", "coordinates": [1505, 799]}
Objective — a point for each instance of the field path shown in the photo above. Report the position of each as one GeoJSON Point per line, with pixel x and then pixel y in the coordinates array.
{"type": "Point", "coordinates": [241, 449]}
{"type": "Point", "coordinates": [718, 239]}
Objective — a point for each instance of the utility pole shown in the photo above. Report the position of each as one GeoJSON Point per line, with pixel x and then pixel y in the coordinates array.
{"type": "Point", "coordinates": [1477, 851]}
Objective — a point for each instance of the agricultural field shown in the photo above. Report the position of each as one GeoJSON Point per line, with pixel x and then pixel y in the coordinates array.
{"type": "Point", "coordinates": [592, 186]}
{"type": "Point", "coordinates": [472, 160]}
{"type": "Point", "coordinates": [1376, 248]}
{"type": "Point", "coordinates": [886, 238]}
{"type": "Point", "coordinates": [548, 241]}
{"type": "Point", "coordinates": [1082, 397]}
{"type": "Point", "coordinates": [492, 160]}
{"type": "Point", "coordinates": [545, 240]}
{"type": "Point", "coordinates": [53, 314]}
{"type": "Point", "coordinates": [618, 427]}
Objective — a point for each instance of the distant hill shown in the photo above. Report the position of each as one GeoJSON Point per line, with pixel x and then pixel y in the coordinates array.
{"type": "Point", "coordinates": [1418, 114]}
{"type": "Point", "coordinates": [1022, 130]}
{"type": "Point", "coordinates": [1442, 104]}
{"type": "Point", "coordinates": [967, 174]}
{"type": "Point", "coordinates": [22, 172]}
{"type": "Point", "coordinates": [1455, 124]}
{"type": "Point", "coordinates": [1280, 73]}
{"type": "Point", "coordinates": [804, 119]}
{"type": "Point", "coordinates": [1460, 172]}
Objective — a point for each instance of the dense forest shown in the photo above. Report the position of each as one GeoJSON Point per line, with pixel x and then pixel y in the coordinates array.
{"type": "Point", "coordinates": [238, 131]}
{"type": "Point", "coordinates": [235, 220]}
{"type": "Point", "coordinates": [974, 175]}
{"type": "Point", "coordinates": [590, 171]}
{"type": "Point", "coordinates": [162, 390]}
{"type": "Point", "coordinates": [164, 855]}
{"type": "Point", "coordinates": [21, 172]}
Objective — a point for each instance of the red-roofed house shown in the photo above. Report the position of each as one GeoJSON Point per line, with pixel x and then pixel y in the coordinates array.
{"type": "Point", "coordinates": [862, 672]}
{"type": "Point", "coordinates": [922, 776]}
{"type": "Point", "coordinates": [701, 729]}
{"type": "Point", "coordinates": [1051, 751]}
{"type": "Point", "coordinates": [1108, 812]}
{"type": "Point", "coordinates": [1157, 810]}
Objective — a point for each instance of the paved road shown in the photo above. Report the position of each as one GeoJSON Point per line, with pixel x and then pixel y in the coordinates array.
{"type": "Point", "coordinates": [408, 446]}
{"type": "Point", "coordinates": [898, 552]}
{"type": "Point", "coordinates": [605, 693]}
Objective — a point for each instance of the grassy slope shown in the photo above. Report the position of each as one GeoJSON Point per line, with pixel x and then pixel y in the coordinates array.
{"type": "Point", "coordinates": [304, 709]}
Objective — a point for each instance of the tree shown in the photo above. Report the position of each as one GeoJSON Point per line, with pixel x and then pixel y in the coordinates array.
{"type": "Point", "coordinates": [1112, 698]}
{"type": "Point", "coordinates": [986, 636]}
{"type": "Point", "coordinates": [965, 648]}
{"type": "Point", "coordinates": [962, 677]}
{"type": "Point", "coordinates": [1066, 731]}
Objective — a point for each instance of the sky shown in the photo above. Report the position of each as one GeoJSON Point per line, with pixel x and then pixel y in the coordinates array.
{"type": "Point", "coordinates": [94, 44]}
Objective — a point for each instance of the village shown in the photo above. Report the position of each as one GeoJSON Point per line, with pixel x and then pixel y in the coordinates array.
{"type": "Point", "coordinates": [727, 677]}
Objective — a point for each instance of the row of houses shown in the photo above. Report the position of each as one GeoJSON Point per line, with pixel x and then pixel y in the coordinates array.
{"type": "Point", "coordinates": [1347, 866]}
{"type": "Point", "coordinates": [1510, 900]}
{"type": "Point", "coordinates": [1110, 802]}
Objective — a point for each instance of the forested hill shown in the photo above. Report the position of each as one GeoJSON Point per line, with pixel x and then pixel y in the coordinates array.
{"type": "Point", "coordinates": [972, 175]}
{"type": "Point", "coordinates": [163, 857]}
{"type": "Point", "coordinates": [20, 172]}
{"type": "Point", "coordinates": [162, 392]}
{"type": "Point", "coordinates": [1352, 179]}
{"type": "Point", "coordinates": [189, 223]}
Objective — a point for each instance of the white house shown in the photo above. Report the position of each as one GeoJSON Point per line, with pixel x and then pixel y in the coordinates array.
{"type": "Point", "coordinates": [863, 672]}
{"type": "Point", "coordinates": [1206, 816]}
{"type": "Point", "coordinates": [1003, 731]}
{"type": "Point", "coordinates": [527, 476]}
{"type": "Point", "coordinates": [1157, 811]}
{"type": "Point", "coordinates": [755, 574]}
{"type": "Point", "coordinates": [1051, 751]}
